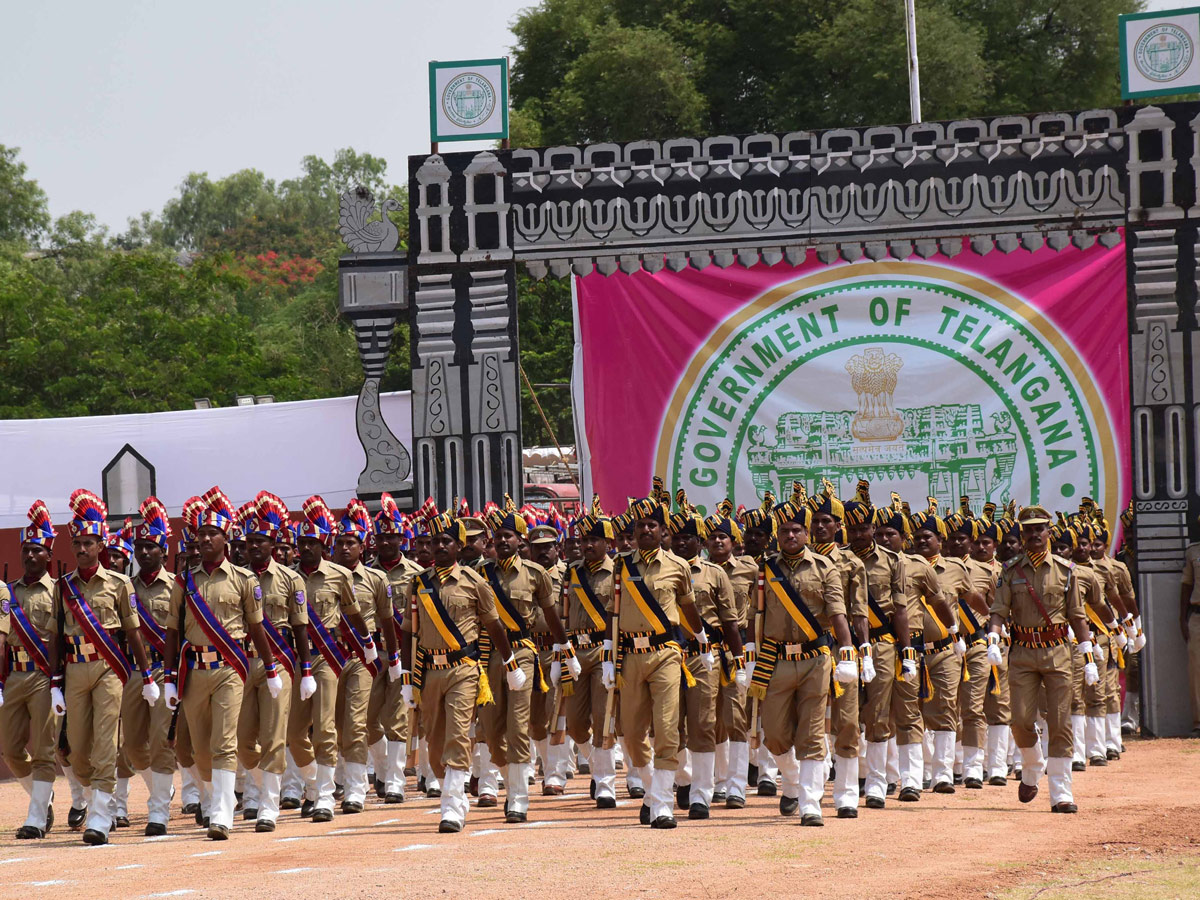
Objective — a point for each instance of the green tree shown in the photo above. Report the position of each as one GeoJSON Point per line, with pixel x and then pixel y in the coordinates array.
{"type": "Point", "coordinates": [23, 214]}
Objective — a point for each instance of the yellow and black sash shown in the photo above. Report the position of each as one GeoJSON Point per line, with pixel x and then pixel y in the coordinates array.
{"type": "Point", "coordinates": [510, 617]}
{"type": "Point", "coordinates": [637, 590]}
{"type": "Point", "coordinates": [814, 635]}
{"type": "Point", "coordinates": [588, 600]}
{"type": "Point", "coordinates": [430, 598]}
{"type": "Point", "coordinates": [878, 621]}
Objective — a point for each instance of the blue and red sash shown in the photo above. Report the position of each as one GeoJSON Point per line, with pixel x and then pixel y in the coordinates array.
{"type": "Point", "coordinates": [324, 641]}
{"type": "Point", "coordinates": [96, 633]}
{"type": "Point", "coordinates": [354, 640]}
{"type": "Point", "coordinates": [28, 634]}
{"type": "Point", "coordinates": [230, 650]}
{"type": "Point", "coordinates": [279, 647]}
{"type": "Point", "coordinates": [150, 629]}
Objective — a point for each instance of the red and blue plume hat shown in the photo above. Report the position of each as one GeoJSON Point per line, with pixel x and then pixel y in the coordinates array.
{"type": "Point", "coordinates": [218, 511]}
{"type": "Point", "coordinates": [156, 524]}
{"type": "Point", "coordinates": [269, 517]}
{"type": "Point", "coordinates": [121, 541]}
{"type": "Point", "coordinates": [318, 520]}
{"type": "Point", "coordinates": [389, 520]}
{"type": "Point", "coordinates": [40, 530]}
{"type": "Point", "coordinates": [356, 520]}
{"type": "Point", "coordinates": [89, 514]}
{"type": "Point", "coordinates": [241, 520]}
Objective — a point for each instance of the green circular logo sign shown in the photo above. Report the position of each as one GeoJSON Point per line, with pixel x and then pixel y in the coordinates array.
{"type": "Point", "coordinates": [468, 100]}
{"type": "Point", "coordinates": [928, 382]}
{"type": "Point", "coordinates": [1163, 52]}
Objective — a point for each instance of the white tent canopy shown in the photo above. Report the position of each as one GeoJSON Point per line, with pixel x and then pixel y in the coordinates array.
{"type": "Point", "coordinates": [291, 449]}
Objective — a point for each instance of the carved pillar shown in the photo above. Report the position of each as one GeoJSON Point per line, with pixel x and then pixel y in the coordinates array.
{"type": "Point", "coordinates": [466, 391]}
{"type": "Point", "coordinates": [1162, 271]}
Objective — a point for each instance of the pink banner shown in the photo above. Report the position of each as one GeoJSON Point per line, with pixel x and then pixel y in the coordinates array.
{"type": "Point", "coordinates": [998, 377]}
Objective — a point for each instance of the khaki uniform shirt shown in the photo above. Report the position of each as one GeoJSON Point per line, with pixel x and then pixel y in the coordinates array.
{"type": "Point", "coordinates": [601, 583]}
{"type": "Point", "coordinates": [669, 579]}
{"type": "Point", "coordinates": [109, 594]}
{"type": "Point", "coordinates": [155, 596]}
{"type": "Point", "coordinates": [854, 581]}
{"type": "Point", "coordinates": [818, 582]}
{"type": "Point", "coordinates": [37, 602]}
{"type": "Point", "coordinates": [556, 574]}
{"type": "Point", "coordinates": [886, 580]}
{"type": "Point", "coordinates": [1090, 589]}
{"type": "Point", "coordinates": [283, 597]}
{"type": "Point", "coordinates": [922, 582]}
{"type": "Point", "coordinates": [231, 592]}
{"type": "Point", "coordinates": [1123, 576]}
{"type": "Point", "coordinates": [330, 589]}
{"type": "Point", "coordinates": [400, 574]}
{"type": "Point", "coordinates": [743, 575]}
{"type": "Point", "coordinates": [468, 600]}
{"type": "Point", "coordinates": [714, 597]}
{"type": "Point", "coordinates": [528, 587]}
{"type": "Point", "coordinates": [955, 584]}
{"type": "Point", "coordinates": [1059, 593]}
{"type": "Point", "coordinates": [373, 591]}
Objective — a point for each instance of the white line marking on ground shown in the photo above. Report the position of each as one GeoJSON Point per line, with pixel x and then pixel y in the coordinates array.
{"type": "Point", "coordinates": [536, 824]}
{"type": "Point", "coordinates": [430, 812]}
{"type": "Point", "coordinates": [413, 847]}
{"type": "Point", "coordinates": [15, 859]}
{"type": "Point", "coordinates": [161, 837]}
{"type": "Point", "coordinates": [293, 871]}
{"type": "Point", "coordinates": [208, 853]}
{"type": "Point", "coordinates": [388, 822]}
{"type": "Point", "coordinates": [486, 831]}
{"type": "Point", "coordinates": [130, 866]}
{"type": "Point", "coordinates": [300, 837]}
{"type": "Point", "coordinates": [46, 883]}
{"type": "Point", "coordinates": [342, 831]}
{"type": "Point", "coordinates": [180, 893]}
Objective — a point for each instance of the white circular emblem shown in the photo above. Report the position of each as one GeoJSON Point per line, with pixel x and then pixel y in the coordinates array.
{"type": "Point", "coordinates": [469, 100]}
{"type": "Point", "coordinates": [1163, 52]}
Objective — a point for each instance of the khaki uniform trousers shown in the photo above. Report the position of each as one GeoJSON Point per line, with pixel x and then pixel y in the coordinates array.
{"type": "Point", "coordinates": [387, 716]}
{"type": "Point", "coordinates": [698, 724]}
{"type": "Point", "coordinates": [940, 711]}
{"type": "Point", "coordinates": [877, 710]}
{"type": "Point", "coordinates": [843, 720]}
{"type": "Point", "coordinates": [997, 708]}
{"type": "Point", "coordinates": [1086, 700]}
{"type": "Point", "coordinates": [1111, 679]}
{"type": "Point", "coordinates": [972, 694]}
{"type": "Point", "coordinates": [262, 723]}
{"type": "Point", "coordinates": [26, 712]}
{"type": "Point", "coordinates": [350, 712]}
{"type": "Point", "coordinates": [144, 730]}
{"type": "Point", "coordinates": [212, 702]}
{"type": "Point", "coordinates": [1029, 670]}
{"type": "Point", "coordinates": [93, 696]}
{"type": "Point", "coordinates": [505, 723]}
{"type": "Point", "coordinates": [793, 713]}
{"type": "Point", "coordinates": [586, 706]}
{"type": "Point", "coordinates": [183, 741]}
{"type": "Point", "coordinates": [650, 705]}
{"type": "Point", "coordinates": [542, 706]}
{"type": "Point", "coordinates": [907, 719]}
{"type": "Point", "coordinates": [318, 712]}
{"type": "Point", "coordinates": [731, 714]}
{"type": "Point", "coordinates": [447, 709]}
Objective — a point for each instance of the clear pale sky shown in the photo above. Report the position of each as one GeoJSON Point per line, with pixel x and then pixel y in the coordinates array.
{"type": "Point", "coordinates": [112, 104]}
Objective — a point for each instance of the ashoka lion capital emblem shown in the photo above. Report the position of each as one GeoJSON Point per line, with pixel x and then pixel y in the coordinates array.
{"type": "Point", "coordinates": [873, 377]}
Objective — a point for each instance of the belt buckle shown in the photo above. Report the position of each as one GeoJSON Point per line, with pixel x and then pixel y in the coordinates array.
{"type": "Point", "coordinates": [439, 659]}
{"type": "Point", "coordinates": [792, 649]}
{"type": "Point", "coordinates": [641, 642]}
{"type": "Point", "coordinates": [583, 640]}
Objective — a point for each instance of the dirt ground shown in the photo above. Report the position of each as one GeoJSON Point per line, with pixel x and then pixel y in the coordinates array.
{"type": "Point", "coordinates": [973, 844]}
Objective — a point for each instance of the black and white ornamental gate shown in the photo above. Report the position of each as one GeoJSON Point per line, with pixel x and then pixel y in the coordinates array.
{"type": "Point", "coordinates": [1004, 183]}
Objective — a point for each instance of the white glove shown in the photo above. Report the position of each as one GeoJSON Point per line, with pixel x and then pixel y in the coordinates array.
{"type": "Point", "coordinates": [515, 677]}
{"type": "Point", "coordinates": [909, 668]}
{"type": "Point", "coordinates": [150, 693]}
{"type": "Point", "coordinates": [846, 671]}
{"type": "Point", "coordinates": [608, 675]}
{"type": "Point", "coordinates": [1121, 640]}
{"type": "Point", "coordinates": [742, 676]}
{"type": "Point", "coordinates": [1099, 654]}
{"type": "Point", "coordinates": [994, 654]}
{"type": "Point", "coordinates": [274, 686]}
{"type": "Point", "coordinates": [406, 695]}
{"type": "Point", "coordinates": [1, 695]}
{"type": "Point", "coordinates": [707, 660]}
{"type": "Point", "coordinates": [395, 670]}
{"type": "Point", "coordinates": [868, 664]}
{"type": "Point", "coordinates": [371, 653]}
{"type": "Point", "coordinates": [1130, 627]}
{"type": "Point", "coordinates": [572, 664]}
{"type": "Point", "coordinates": [170, 692]}
{"type": "Point", "coordinates": [555, 672]}
{"type": "Point", "coordinates": [1140, 641]}
{"type": "Point", "coordinates": [1091, 675]}
{"type": "Point", "coordinates": [308, 687]}
{"type": "Point", "coordinates": [960, 648]}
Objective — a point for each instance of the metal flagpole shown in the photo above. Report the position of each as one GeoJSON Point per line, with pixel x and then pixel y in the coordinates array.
{"type": "Point", "coordinates": [914, 72]}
